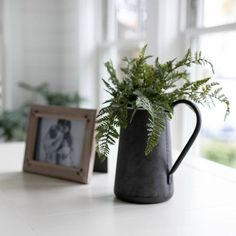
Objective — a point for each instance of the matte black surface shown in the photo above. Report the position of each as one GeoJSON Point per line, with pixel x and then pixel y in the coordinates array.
{"type": "Point", "coordinates": [192, 137]}
{"type": "Point", "coordinates": [140, 178]}
{"type": "Point", "coordinates": [100, 166]}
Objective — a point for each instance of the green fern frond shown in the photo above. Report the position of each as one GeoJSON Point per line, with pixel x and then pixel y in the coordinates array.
{"type": "Point", "coordinates": [106, 132]}
{"type": "Point", "coordinates": [110, 89]}
{"type": "Point", "coordinates": [154, 88]}
{"type": "Point", "coordinates": [156, 124]}
{"type": "Point", "coordinates": [112, 72]}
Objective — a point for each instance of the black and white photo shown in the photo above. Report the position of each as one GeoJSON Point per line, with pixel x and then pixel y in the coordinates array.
{"type": "Point", "coordinates": [60, 142]}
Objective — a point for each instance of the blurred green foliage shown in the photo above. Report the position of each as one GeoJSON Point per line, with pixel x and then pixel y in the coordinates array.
{"type": "Point", "coordinates": [51, 98]}
{"type": "Point", "coordinates": [219, 151]}
{"type": "Point", "coordinates": [13, 123]}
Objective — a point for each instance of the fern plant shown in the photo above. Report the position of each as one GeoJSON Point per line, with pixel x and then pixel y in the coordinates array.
{"type": "Point", "coordinates": [153, 88]}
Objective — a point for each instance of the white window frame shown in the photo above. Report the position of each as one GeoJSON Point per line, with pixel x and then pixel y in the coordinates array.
{"type": "Point", "coordinates": [111, 43]}
{"type": "Point", "coordinates": [191, 36]}
{"type": "Point", "coordinates": [194, 32]}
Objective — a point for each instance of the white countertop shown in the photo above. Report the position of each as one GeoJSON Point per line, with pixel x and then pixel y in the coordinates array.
{"type": "Point", "coordinates": [204, 203]}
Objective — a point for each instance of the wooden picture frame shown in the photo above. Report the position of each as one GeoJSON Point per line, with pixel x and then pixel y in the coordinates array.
{"type": "Point", "coordinates": [60, 142]}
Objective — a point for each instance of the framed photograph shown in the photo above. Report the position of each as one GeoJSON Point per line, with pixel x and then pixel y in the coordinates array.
{"type": "Point", "coordinates": [60, 142]}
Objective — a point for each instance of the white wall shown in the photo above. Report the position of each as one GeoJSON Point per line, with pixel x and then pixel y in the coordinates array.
{"type": "Point", "coordinates": [41, 39]}
{"type": "Point", "coordinates": [52, 41]}
{"type": "Point", "coordinates": [69, 37]}
{"type": "Point", "coordinates": [88, 13]}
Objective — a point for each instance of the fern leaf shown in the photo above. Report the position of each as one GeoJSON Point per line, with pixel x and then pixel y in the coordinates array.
{"type": "Point", "coordinates": [156, 124]}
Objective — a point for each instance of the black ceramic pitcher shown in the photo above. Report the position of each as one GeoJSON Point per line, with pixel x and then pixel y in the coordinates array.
{"type": "Point", "coordinates": [148, 179]}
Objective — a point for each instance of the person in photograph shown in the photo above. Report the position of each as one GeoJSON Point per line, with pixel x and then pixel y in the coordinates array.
{"type": "Point", "coordinates": [64, 151]}
{"type": "Point", "coordinates": [58, 144]}
{"type": "Point", "coordinates": [52, 141]}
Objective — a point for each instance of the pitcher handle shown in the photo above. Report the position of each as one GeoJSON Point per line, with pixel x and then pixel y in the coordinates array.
{"type": "Point", "coordinates": [193, 136]}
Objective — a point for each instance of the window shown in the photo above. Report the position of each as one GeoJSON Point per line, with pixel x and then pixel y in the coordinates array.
{"type": "Point", "coordinates": [123, 32]}
{"type": "Point", "coordinates": [211, 28]}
